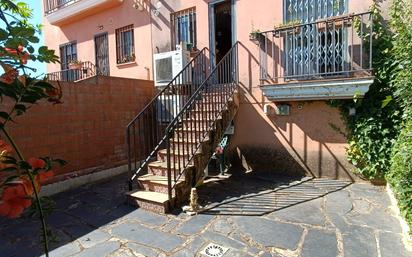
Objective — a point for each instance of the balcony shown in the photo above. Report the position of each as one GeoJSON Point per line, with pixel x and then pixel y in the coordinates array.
{"type": "Point", "coordinates": [325, 59]}
{"type": "Point", "coordinates": [83, 71]}
{"type": "Point", "coordinates": [59, 12]}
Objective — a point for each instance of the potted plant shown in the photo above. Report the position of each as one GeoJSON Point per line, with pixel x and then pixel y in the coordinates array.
{"type": "Point", "coordinates": [75, 65]}
{"type": "Point", "coordinates": [255, 35]}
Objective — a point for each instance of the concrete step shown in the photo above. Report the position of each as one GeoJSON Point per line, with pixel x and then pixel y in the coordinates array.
{"type": "Point", "coordinates": [177, 156]}
{"type": "Point", "coordinates": [152, 201]}
{"type": "Point", "coordinates": [159, 168]}
{"type": "Point", "coordinates": [158, 184]}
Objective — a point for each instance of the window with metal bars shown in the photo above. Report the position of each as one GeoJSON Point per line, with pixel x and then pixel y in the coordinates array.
{"type": "Point", "coordinates": [184, 27]}
{"type": "Point", "coordinates": [312, 49]}
{"type": "Point", "coordinates": [125, 44]}
{"type": "Point", "coordinates": [68, 53]}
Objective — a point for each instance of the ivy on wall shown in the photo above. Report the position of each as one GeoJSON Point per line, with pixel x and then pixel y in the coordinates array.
{"type": "Point", "coordinates": [380, 133]}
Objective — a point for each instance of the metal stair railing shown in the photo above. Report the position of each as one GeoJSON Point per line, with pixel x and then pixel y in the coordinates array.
{"type": "Point", "coordinates": [199, 115]}
{"type": "Point", "coordinates": [145, 134]}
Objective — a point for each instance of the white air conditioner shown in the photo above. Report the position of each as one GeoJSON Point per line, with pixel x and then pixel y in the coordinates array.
{"type": "Point", "coordinates": [168, 65]}
{"type": "Point", "coordinates": [168, 106]}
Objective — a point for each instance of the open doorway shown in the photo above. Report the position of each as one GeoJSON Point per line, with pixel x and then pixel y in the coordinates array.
{"type": "Point", "coordinates": [222, 28]}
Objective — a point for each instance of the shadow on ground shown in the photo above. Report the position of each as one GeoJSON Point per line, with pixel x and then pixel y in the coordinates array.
{"type": "Point", "coordinates": [86, 209]}
{"type": "Point", "coordinates": [260, 193]}
{"type": "Point", "coordinates": [77, 213]}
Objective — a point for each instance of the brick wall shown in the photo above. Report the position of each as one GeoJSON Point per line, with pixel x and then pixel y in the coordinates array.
{"type": "Point", "coordinates": [88, 129]}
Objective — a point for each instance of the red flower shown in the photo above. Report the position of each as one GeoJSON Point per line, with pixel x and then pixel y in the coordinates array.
{"type": "Point", "coordinates": [36, 163]}
{"type": "Point", "coordinates": [11, 50]}
{"type": "Point", "coordinates": [44, 176]}
{"type": "Point", "coordinates": [24, 57]}
{"type": "Point", "coordinates": [15, 199]}
{"type": "Point", "coordinates": [9, 76]}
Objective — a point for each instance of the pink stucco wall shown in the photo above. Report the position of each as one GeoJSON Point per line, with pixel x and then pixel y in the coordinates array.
{"type": "Point", "coordinates": [303, 142]}
{"type": "Point", "coordinates": [83, 31]}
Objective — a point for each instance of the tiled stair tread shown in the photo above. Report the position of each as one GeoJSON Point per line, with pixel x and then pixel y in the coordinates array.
{"type": "Point", "coordinates": [188, 140]}
{"type": "Point", "coordinates": [161, 164]}
{"type": "Point", "coordinates": [162, 180]}
{"type": "Point", "coordinates": [201, 129]}
{"type": "Point", "coordinates": [180, 152]}
{"type": "Point", "coordinates": [150, 196]}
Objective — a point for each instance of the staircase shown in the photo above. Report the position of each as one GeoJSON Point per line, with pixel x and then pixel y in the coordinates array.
{"type": "Point", "coordinates": [167, 154]}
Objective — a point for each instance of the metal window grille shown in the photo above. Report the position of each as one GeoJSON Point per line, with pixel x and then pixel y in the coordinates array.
{"type": "Point", "coordinates": [183, 27]}
{"type": "Point", "coordinates": [125, 44]}
{"type": "Point", "coordinates": [300, 47]}
{"type": "Point", "coordinates": [68, 53]}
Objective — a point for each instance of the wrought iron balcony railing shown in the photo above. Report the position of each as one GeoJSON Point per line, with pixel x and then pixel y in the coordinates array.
{"type": "Point", "coordinates": [85, 70]}
{"type": "Point", "coordinates": [337, 47]}
{"type": "Point", "coordinates": [51, 6]}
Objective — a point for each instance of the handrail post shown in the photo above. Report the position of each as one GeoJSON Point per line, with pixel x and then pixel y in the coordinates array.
{"type": "Point", "coordinates": [169, 170]}
{"type": "Point", "coordinates": [129, 161]}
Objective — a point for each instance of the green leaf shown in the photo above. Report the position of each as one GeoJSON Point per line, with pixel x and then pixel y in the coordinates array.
{"type": "Point", "coordinates": [8, 169]}
{"type": "Point", "coordinates": [24, 165]}
{"type": "Point", "coordinates": [20, 109]}
{"type": "Point", "coordinates": [3, 34]}
{"type": "Point", "coordinates": [4, 115]}
{"type": "Point", "coordinates": [387, 100]}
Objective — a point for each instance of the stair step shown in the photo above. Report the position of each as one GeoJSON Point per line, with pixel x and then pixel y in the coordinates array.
{"type": "Point", "coordinates": [159, 184]}
{"type": "Point", "coordinates": [155, 179]}
{"type": "Point", "coordinates": [159, 168]}
{"type": "Point", "coordinates": [152, 201]}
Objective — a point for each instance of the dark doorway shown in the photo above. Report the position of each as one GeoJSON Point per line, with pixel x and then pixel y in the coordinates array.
{"type": "Point", "coordinates": [223, 29]}
{"type": "Point", "coordinates": [101, 47]}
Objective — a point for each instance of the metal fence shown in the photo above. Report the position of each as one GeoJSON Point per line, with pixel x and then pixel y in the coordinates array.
{"type": "Point", "coordinates": [327, 48]}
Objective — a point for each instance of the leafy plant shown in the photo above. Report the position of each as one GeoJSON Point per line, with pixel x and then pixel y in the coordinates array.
{"type": "Point", "coordinates": [23, 177]}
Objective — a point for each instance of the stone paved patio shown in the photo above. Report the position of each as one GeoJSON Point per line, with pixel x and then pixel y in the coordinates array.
{"type": "Point", "coordinates": [251, 215]}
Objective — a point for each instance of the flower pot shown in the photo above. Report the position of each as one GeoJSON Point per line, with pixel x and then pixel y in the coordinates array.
{"type": "Point", "coordinates": [75, 66]}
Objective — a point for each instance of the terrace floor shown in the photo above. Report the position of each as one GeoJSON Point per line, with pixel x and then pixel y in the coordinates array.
{"type": "Point", "coordinates": [249, 215]}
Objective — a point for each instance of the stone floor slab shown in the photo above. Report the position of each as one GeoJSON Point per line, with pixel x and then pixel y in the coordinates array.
{"type": "Point", "coordinates": [194, 225]}
{"type": "Point", "coordinates": [101, 250]}
{"type": "Point", "coordinates": [146, 236]}
{"type": "Point", "coordinates": [320, 243]}
{"type": "Point", "coordinates": [270, 233]}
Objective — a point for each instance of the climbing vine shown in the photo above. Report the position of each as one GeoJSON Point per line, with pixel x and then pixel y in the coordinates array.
{"type": "Point", "coordinates": [380, 131]}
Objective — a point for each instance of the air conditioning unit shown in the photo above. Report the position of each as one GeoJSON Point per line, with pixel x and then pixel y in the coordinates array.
{"type": "Point", "coordinates": [168, 65]}
{"type": "Point", "coordinates": [168, 106]}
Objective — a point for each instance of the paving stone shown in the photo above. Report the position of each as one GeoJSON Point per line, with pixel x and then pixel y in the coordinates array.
{"type": "Point", "coordinates": [370, 192]}
{"type": "Point", "coordinates": [320, 243]}
{"type": "Point", "coordinates": [222, 226]}
{"type": "Point", "coordinates": [307, 212]}
{"type": "Point", "coordinates": [146, 236]}
{"type": "Point", "coordinates": [338, 202]}
{"type": "Point", "coordinates": [194, 225]}
{"type": "Point", "coordinates": [146, 217]}
{"type": "Point", "coordinates": [141, 249]}
{"type": "Point", "coordinates": [222, 240]}
{"type": "Point", "coordinates": [101, 250]}
{"type": "Point", "coordinates": [196, 244]}
{"type": "Point", "coordinates": [77, 230]}
{"type": "Point", "coordinates": [270, 233]}
{"type": "Point", "coordinates": [236, 253]}
{"type": "Point", "coordinates": [123, 253]}
{"type": "Point", "coordinates": [171, 225]}
{"type": "Point", "coordinates": [391, 245]}
{"type": "Point", "coordinates": [65, 250]}
{"type": "Point", "coordinates": [183, 253]}
{"type": "Point", "coordinates": [359, 242]}
{"type": "Point", "coordinates": [95, 237]}
{"type": "Point", "coordinates": [377, 219]}
{"type": "Point", "coordinates": [94, 216]}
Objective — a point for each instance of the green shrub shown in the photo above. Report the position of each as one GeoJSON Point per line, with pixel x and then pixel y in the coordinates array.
{"type": "Point", "coordinates": [400, 175]}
